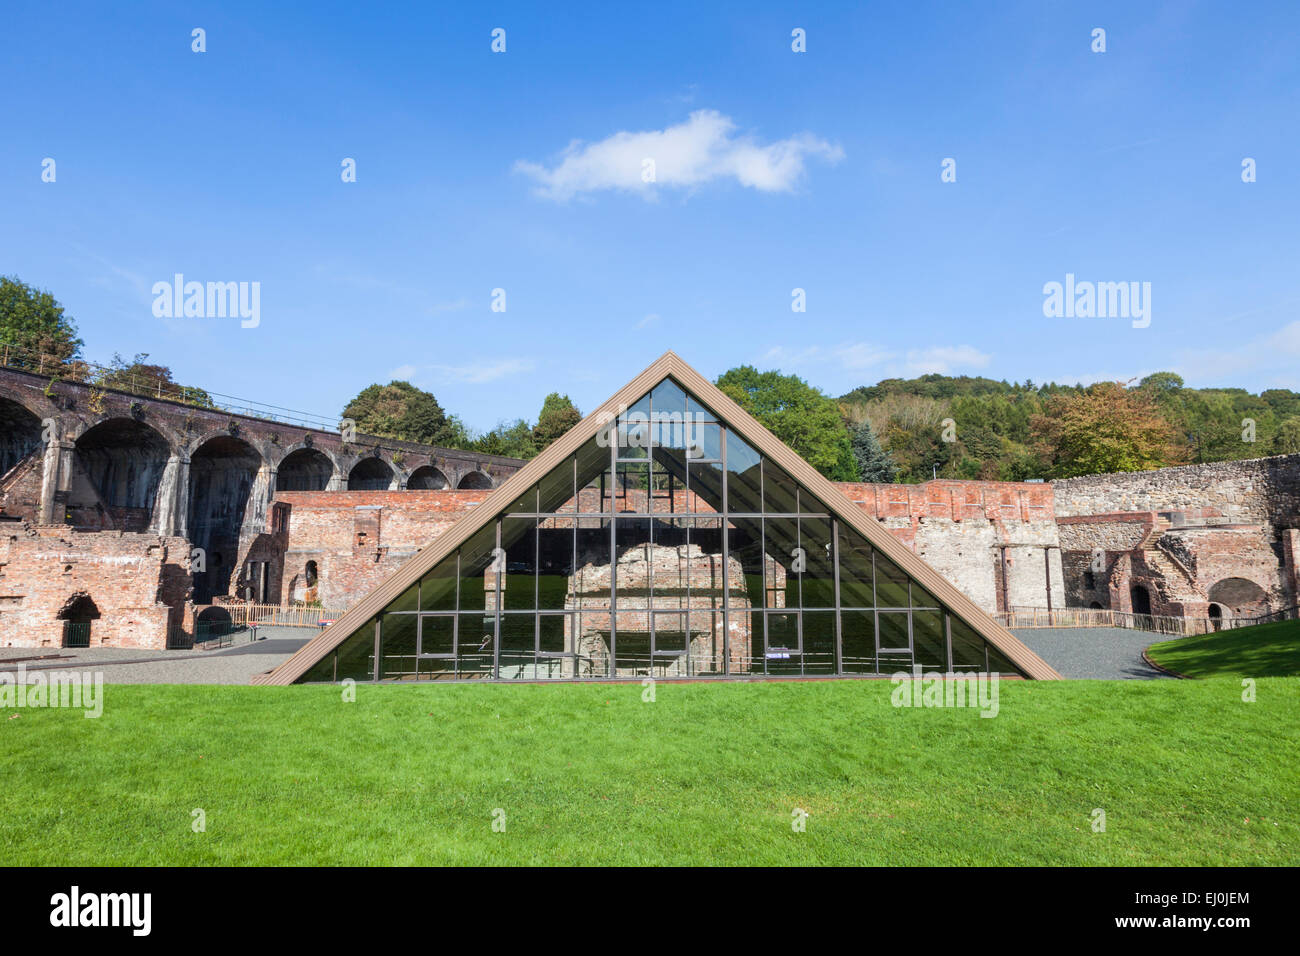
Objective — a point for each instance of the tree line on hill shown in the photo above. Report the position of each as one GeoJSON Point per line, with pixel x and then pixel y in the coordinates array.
{"type": "Point", "coordinates": [898, 430]}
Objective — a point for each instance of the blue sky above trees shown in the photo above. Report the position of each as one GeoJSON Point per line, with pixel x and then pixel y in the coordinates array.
{"type": "Point", "coordinates": [776, 170]}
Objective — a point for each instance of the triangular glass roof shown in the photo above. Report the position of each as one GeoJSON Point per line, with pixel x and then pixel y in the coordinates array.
{"type": "Point", "coordinates": [659, 539]}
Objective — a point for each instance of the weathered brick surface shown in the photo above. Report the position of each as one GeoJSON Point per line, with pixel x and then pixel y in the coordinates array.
{"type": "Point", "coordinates": [137, 582]}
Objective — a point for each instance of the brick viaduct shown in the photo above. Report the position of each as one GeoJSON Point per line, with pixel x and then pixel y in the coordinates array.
{"type": "Point", "coordinates": [92, 460]}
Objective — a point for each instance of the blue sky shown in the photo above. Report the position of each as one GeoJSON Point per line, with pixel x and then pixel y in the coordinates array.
{"type": "Point", "coordinates": [775, 170]}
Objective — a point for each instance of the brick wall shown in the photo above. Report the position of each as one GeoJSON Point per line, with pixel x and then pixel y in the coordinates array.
{"type": "Point", "coordinates": [137, 582]}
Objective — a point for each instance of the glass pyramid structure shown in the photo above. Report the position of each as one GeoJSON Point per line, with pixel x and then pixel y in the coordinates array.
{"type": "Point", "coordinates": [667, 535]}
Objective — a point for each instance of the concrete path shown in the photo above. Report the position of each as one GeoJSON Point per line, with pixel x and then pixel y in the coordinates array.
{"type": "Point", "coordinates": [1096, 653]}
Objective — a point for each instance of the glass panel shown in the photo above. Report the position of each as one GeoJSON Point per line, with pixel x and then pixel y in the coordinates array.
{"type": "Point", "coordinates": [891, 583]}
{"type": "Point", "coordinates": [398, 637]}
{"type": "Point", "coordinates": [555, 491]}
{"type": "Point", "coordinates": [745, 569]}
{"type": "Point", "coordinates": [999, 663]}
{"type": "Point", "coordinates": [409, 601]}
{"type": "Point", "coordinates": [474, 645]}
{"type": "Point", "coordinates": [818, 578]}
{"type": "Point", "coordinates": [781, 580]}
{"type": "Point", "coordinates": [783, 644]}
{"type": "Point", "coordinates": [634, 430]}
{"type": "Point", "coordinates": [632, 488]}
{"type": "Point", "coordinates": [707, 652]}
{"type": "Point", "coordinates": [780, 494]}
{"type": "Point", "coordinates": [858, 641]}
{"type": "Point", "coordinates": [856, 588]}
{"type": "Point", "coordinates": [592, 466]}
{"type": "Point", "coordinates": [519, 583]}
{"type": "Point", "coordinates": [705, 493]}
{"type": "Point", "coordinates": [525, 503]}
{"type": "Point", "coordinates": [819, 642]}
{"type": "Point", "coordinates": [928, 640]}
{"type": "Point", "coordinates": [632, 644]}
{"type": "Point", "coordinates": [746, 638]}
{"type": "Point", "coordinates": [592, 643]}
{"type": "Point", "coordinates": [744, 477]}
{"type": "Point", "coordinates": [668, 397]}
{"type": "Point", "coordinates": [705, 441]}
{"type": "Point", "coordinates": [438, 634]}
{"type": "Point", "coordinates": [893, 632]}
{"type": "Point", "coordinates": [555, 563]}
{"type": "Point", "coordinates": [477, 583]}
{"type": "Point", "coordinates": [518, 646]}
{"type": "Point", "coordinates": [967, 646]}
{"type": "Point", "coordinates": [555, 637]}
{"type": "Point", "coordinates": [357, 655]}
{"type": "Point", "coordinates": [922, 598]}
{"type": "Point", "coordinates": [438, 587]}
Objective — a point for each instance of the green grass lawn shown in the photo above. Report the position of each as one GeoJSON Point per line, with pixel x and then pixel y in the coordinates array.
{"type": "Point", "coordinates": [1266, 650]}
{"type": "Point", "coordinates": [709, 773]}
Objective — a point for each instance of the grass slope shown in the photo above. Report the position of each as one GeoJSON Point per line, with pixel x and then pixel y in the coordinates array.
{"type": "Point", "coordinates": [1266, 650]}
{"type": "Point", "coordinates": [710, 773]}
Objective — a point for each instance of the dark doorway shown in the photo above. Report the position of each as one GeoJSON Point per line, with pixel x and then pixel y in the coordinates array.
{"type": "Point", "coordinates": [1141, 599]}
{"type": "Point", "coordinates": [77, 615]}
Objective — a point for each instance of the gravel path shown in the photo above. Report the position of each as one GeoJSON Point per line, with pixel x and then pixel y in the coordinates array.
{"type": "Point", "coordinates": [235, 664]}
{"type": "Point", "coordinates": [1097, 653]}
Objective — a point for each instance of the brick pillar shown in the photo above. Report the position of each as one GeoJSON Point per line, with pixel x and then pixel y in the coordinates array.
{"type": "Point", "coordinates": [172, 511]}
{"type": "Point", "coordinates": [56, 476]}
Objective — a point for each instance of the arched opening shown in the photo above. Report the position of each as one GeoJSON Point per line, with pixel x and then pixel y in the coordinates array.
{"type": "Point", "coordinates": [427, 478]}
{"type": "Point", "coordinates": [1141, 599]}
{"type": "Point", "coordinates": [1240, 597]}
{"type": "Point", "coordinates": [370, 474]}
{"type": "Point", "coordinates": [311, 574]}
{"type": "Point", "coordinates": [120, 463]}
{"type": "Point", "coordinates": [212, 624]}
{"type": "Point", "coordinates": [1095, 605]}
{"type": "Point", "coordinates": [20, 435]}
{"type": "Point", "coordinates": [222, 473]}
{"type": "Point", "coordinates": [77, 615]}
{"type": "Point", "coordinates": [307, 469]}
{"type": "Point", "coordinates": [1215, 612]}
{"type": "Point", "coordinates": [475, 479]}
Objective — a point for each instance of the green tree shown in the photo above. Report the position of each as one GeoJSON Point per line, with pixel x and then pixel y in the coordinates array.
{"type": "Point", "coordinates": [798, 414]}
{"type": "Point", "coordinates": [143, 378]}
{"type": "Point", "coordinates": [400, 410]}
{"type": "Point", "coordinates": [874, 463]}
{"type": "Point", "coordinates": [33, 322]}
{"type": "Point", "coordinates": [1105, 428]}
{"type": "Point", "coordinates": [1287, 440]}
{"type": "Point", "coordinates": [511, 439]}
{"type": "Point", "coordinates": [558, 415]}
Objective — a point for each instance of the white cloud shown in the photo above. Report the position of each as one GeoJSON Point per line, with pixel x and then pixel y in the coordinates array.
{"type": "Point", "coordinates": [479, 373]}
{"type": "Point", "coordinates": [857, 356]}
{"type": "Point", "coordinates": [1273, 360]}
{"type": "Point", "coordinates": [704, 148]}
{"type": "Point", "coordinates": [944, 359]}
{"type": "Point", "coordinates": [472, 373]}
{"type": "Point", "coordinates": [650, 319]}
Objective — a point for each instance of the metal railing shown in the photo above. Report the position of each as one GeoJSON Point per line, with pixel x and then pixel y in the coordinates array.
{"type": "Point", "coordinates": [292, 615]}
{"type": "Point", "coordinates": [112, 379]}
{"type": "Point", "coordinates": [1029, 617]}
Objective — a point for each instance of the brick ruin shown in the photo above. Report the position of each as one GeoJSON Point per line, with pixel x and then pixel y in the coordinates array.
{"type": "Point", "coordinates": [104, 497]}
{"type": "Point", "coordinates": [1217, 540]}
{"type": "Point", "coordinates": [132, 513]}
